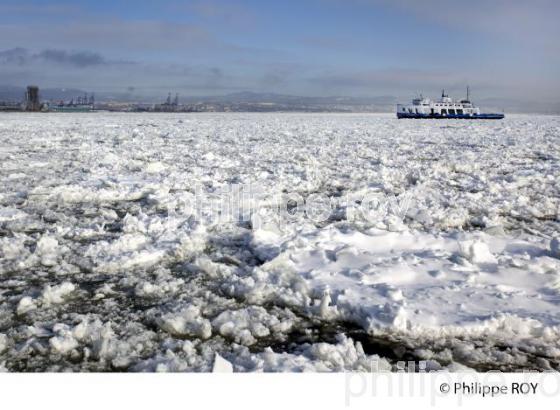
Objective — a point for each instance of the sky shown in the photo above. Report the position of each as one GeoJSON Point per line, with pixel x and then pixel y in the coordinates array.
{"type": "Point", "coordinates": [501, 48]}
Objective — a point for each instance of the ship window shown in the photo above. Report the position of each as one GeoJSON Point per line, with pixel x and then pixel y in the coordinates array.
{"type": "Point", "coordinates": [404, 109]}
{"type": "Point", "coordinates": [451, 112]}
{"type": "Point", "coordinates": [416, 110]}
{"type": "Point", "coordinates": [432, 111]}
{"type": "Point", "coordinates": [443, 111]}
{"type": "Point", "coordinates": [460, 112]}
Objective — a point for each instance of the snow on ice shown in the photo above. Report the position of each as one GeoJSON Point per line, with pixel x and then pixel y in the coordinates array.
{"type": "Point", "coordinates": [347, 242]}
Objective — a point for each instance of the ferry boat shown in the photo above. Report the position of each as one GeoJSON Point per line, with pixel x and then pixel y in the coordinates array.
{"type": "Point", "coordinates": [445, 107]}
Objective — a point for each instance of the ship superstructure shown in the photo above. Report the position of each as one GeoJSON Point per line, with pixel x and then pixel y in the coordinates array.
{"type": "Point", "coordinates": [445, 107]}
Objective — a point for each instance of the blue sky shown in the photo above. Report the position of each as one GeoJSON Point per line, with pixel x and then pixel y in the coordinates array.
{"type": "Point", "coordinates": [502, 48]}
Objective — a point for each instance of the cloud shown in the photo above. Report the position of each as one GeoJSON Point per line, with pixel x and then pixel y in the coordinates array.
{"type": "Point", "coordinates": [20, 56]}
{"type": "Point", "coordinates": [16, 56]}
{"type": "Point", "coordinates": [225, 12]}
{"type": "Point", "coordinates": [73, 58]}
{"type": "Point", "coordinates": [279, 75]}
{"type": "Point", "coordinates": [337, 43]}
{"type": "Point", "coordinates": [16, 8]}
{"type": "Point", "coordinates": [529, 23]}
{"type": "Point", "coordinates": [111, 35]}
{"type": "Point", "coordinates": [403, 82]}
{"type": "Point", "coordinates": [395, 77]}
{"type": "Point", "coordinates": [91, 70]}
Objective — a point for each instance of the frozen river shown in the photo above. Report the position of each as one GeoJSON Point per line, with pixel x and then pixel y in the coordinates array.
{"type": "Point", "coordinates": [280, 242]}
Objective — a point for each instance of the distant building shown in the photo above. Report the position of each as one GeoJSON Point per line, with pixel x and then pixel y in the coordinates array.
{"type": "Point", "coordinates": [32, 102]}
{"type": "Point", "coordinates": [169, 105]}
{"type": "Point", "coordinates": [10, 106]}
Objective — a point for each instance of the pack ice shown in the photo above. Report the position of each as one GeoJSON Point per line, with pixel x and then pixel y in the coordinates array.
{"type": "Point", "coordinates": [352, 242]}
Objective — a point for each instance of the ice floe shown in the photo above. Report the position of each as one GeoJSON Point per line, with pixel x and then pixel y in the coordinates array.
{"type": "Point", "coordinates": [278, 242]}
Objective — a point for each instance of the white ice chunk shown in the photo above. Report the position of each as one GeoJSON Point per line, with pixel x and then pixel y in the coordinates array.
{"type": "Point", "coordinates": [476, 251]}
{"type": "Point", "coordinates": [3, 342]}
{"type": "Point", "coordinates": [53, 295]}
{"type": "Point", "coordinates": [221, 365]}
{"type": "Point", "coordinates": [155, 167]}
{"type": "Point", "coordinates": [555, 247]}
{"type": "Point", "coordinates": [64, 343]}
{"type": "Point", "coordinates": [47, 248]}
{"type": "Point", "coordinates": [11, 214]}
{"type": "Point", "coordinates": [25, 305]}
{"type": "Point", "coordinates": [188, 322]}
{"type": "Point", "coordinates": [246, 325]}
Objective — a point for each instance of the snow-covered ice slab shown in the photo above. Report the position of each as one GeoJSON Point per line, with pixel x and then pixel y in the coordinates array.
{"type": "Point", "coordinates": [347, 242]}
{"type": "Point", "coordinates": [416, 281]}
